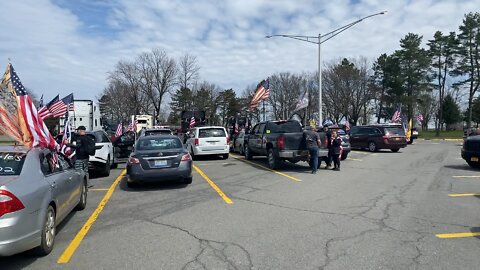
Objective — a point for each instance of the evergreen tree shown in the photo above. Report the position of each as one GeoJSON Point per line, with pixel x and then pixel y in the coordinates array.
{"type": "Point", "coordinates": [451, 111]}
{"type": "Point", "coordinates": [182, 100]}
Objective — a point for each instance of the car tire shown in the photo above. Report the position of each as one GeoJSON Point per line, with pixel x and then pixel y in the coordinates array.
{"type": "Point", "coordinates": [344, 156]}
{"type": "Point", "coordinates": [273, 160]}
{"type": "Point", "coordinates": [47, 238]}
{"type": "Point", "coordinates": [114, 166]}
{"type": "Point", "coordinates": [395, 150]}
{"type": "Point", "coordinates": [188, 180]}
{"type": "Point", "coordinates": [132, 184]}
{"type": "Point", "coordinates": [225, 156]}
{"type": "Point", "coordinates": [372, 147]}
{"type": "Point", "coordinates": [106, 168]}
{"type": "Point", "coordinates": [192, 153]}
{"type": "Point", "coordinates": [248, 153]}
{"type": "Point", "coordinates": [83, 197]}
{"type": "Point", "coordinates": [473, 165]}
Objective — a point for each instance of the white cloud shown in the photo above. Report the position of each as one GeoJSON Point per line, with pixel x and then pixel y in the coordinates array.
{"type": "Point", "coordinates": [57, 49]}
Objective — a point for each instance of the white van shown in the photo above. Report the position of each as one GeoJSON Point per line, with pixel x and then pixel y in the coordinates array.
{"type": "Point", "coordinates": [208, 141]}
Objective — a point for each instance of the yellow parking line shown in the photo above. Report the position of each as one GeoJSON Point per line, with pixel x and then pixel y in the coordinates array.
{"type": "Point", "coordinates": [354, 159]}
{"type": "Point", "coordinates": [212, 184]}
{"type": "Point", "coordinates": [266, 168]}
{"type": "Point", "coordinates": [98, 189]}
{"type": "Point", "coordinates": [457, 235]}
{"type": "Point", "coordinates": [72, 247]}
{"type": "Point", "coordinates": [466, 176]}
{"type": "Point", "coordinates": [464, 194]}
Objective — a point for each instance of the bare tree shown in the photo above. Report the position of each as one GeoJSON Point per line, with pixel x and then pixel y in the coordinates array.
{"type": "Point", "coordinates": [188, 71]}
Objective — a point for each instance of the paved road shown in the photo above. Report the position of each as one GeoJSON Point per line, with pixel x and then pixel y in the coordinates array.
{"type": "Point", "coordinates": [382, 211]}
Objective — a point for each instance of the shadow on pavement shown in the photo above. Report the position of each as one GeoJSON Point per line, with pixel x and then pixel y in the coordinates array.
{"type": "Point", "coordinates": [463, 167]}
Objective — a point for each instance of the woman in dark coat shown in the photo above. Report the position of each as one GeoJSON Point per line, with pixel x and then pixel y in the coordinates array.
{"type": "Point", "coordinates": [336, 151]}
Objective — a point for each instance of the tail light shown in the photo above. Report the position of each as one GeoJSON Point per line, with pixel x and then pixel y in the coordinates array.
{"type": "Point", "coordinates": [9, 203]}
{"type": "Point", "coordinates": [186, 157]}
{"type": "Point", "coordinates": [133, 160]}
{"type": "Point", "coordinates": [228, 139]}
{"type": "Point", "coordinates": [280, 142]}
{"type": "Point", "coordinates": [196, 142]}
{"type": "Point", "coordinates": [385, 138]}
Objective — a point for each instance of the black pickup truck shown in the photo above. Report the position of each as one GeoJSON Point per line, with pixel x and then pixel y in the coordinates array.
{"type": "Point", "coordinates": [471, 151]}
{"type": "Point", "coordinates": [278, 141]}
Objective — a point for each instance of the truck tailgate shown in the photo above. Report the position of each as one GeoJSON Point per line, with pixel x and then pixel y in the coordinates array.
{"type": "Point", "coordinates": [294, 141]}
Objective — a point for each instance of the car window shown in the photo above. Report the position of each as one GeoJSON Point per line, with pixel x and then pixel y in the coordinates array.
{"type": "Point", "coordinates": [284, 127]}
{"type": "Point", "coordinates": [47, 164]}
{"type": "Point", "coordinates": [11, 163]}
{"type": "Point", "coordinates": [158, 132]}
{"type": "Point", "coordinates": [158, 143]}
{"type": "Point", "coordinates": [255, 129]}
{"type": "Point", "coordinates": [93, 137]}
{"type": "Point", "coordinates": [211, 132]}
{"type": "Point", "coordinates": [261, 128]}
{"type": "Point", "coordinates": [64, 164]}
{"type": "Point", "coordinates": [394, 131]}
{"type": "Point", "coordinates": [127, 137]}
{"type": "Point", "coordinates": [104, 138]}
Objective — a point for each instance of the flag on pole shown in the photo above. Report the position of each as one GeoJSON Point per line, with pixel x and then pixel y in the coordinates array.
{"type": "Point", "coordinates": [40, 103]}
{"type": "Point", "coordinates": [347, 124]}
{"type": "Point", "coordinates": [133, 125]}
{"type": "Point", "coordinates": [119, 130]}
{"type": "Point", "coordinates": [33, 130]}
{"type": "Point", "coordinates": [59, 108]}
{"type": "Point", "coordinates": [262, 93]}
{"type": "Point", "coordinates": [236, 126]}
{"type": "Point", "coordinates": [44, 112]}
{"type": "Point", "coordinates": [66, 137]}
{"type": "Point", "coordinates": [192, 122]}
{"type": "Point", "coordinates": [396, 116]}
{"type": "Point", "coordinates": [302, 102]}
{"type": "Point", "coordinates": [420, 118]}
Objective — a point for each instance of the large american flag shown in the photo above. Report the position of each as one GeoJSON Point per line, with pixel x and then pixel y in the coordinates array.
{"type": "Point", "coordinates": [60, 107]}
{"type": "Point", "coordinates": [35, 132]}
{"type": "Point", "coordinates": [396, 116]}
{"type": "Point", "coordinates": [262, 93]}
{"type": "Point", "coordinates": [44, 112]}
{"type": "Point", "coordinates": [119, 130]}
{"type": "Point", "coordinates": [192, 122]}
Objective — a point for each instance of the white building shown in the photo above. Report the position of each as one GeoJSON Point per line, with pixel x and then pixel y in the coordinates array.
{"type": "Point", "coordinates": [86, 113]}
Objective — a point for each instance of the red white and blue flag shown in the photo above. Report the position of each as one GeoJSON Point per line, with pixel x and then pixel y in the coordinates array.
{"type": "Point", "coordinates": [133, 125]}
{"type": "Point", "coordinates": [44, 112]}
{"type": "Point", "coordinates": [347, 124]}
{"type": "Point", "coordinates": [192, 122]}
{"type": "Point", "coordinates": [262, 93]}
{"type": "Point", "coordinates": [420, 118]}
{"type": "Point", "coordinates": [396, 118]}
{"type": "Point", "coordinates": [119, 130]}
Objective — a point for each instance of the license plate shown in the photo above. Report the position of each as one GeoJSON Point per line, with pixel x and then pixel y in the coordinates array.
{"type": "Point", "coordinates": [474, 159]}
{"type": "Point", "coordinates": [160, 163]}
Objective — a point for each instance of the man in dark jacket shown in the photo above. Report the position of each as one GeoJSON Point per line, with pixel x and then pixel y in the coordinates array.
{"type": "Point", "coordinates": [313, 143]}
{"type": "Point", "coordinates": [83, 148]}
{"type": "Point", "coordinates": [328, 159]}
{"type": "Point", "coordinates": [336, 149]}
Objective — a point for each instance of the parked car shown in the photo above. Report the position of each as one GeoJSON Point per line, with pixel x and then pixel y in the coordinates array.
{"type": "Point", "coordinates": [376, 137]}
{"type": "Point", "coordinates": [123, 146]}
{"type": "Point", "coordinates": [35, 196]}
{"type": "Point", "coordinates": [104, 157]}
{"type": "Point", "coordinates": [471, 151]}
{"type": "Point", "coordinates": [210, 140]}
{"type": "Point", "coordinates": [237, 143]}
{"type": "Point", "coordinates": [155, 131]}
{"type": "Point", "coordinates": [278, 140]}
{"type": "Point", "coordinates": [159, 158]}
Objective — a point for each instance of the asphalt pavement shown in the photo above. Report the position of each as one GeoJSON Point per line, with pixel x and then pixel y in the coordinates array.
{"type": "Point", "coordinates": [416, 209]}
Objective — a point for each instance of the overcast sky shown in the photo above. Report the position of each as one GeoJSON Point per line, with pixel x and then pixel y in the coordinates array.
{"type": "Point", "coordinates": [64, 46]}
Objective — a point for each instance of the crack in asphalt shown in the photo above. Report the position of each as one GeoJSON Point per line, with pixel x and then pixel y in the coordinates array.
{"type": "Point", "coordinates": [207, 245]}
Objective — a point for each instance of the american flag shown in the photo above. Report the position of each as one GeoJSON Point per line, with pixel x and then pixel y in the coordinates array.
{"type": "Point", "coordinates": [67, 136]}
{"type": "Point", "coordinates": [192, 122]}
{"type": "Point", "coordinates": [236, 127]}
{"type": "Point", "coordinates": [60, 107]}
{"type": "Point", "coordinates": [35, 132]}
{"type": "Point", "coordinates": [44, 112]}
{"type": "Point", "coordinates": [133, 125]}
{"type": "Point", "coordinates": [420, 118]}
{"type": "Point", "coordinates": [396, 116]}
{"type": "Point", "coordinates": [302, 102]}
{"type": "Point", "coordinates": [347, 124]}
{"type": "Point", "coordinates": [40, 103]}
{"type": "Point", "coordinates": [262, 93]}
{"type": "Point", "coordinates": [119, 130]}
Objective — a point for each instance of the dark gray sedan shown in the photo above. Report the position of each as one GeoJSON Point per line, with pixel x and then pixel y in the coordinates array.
{"type": "Point", "coordinates": [159, 158]}
{"type": "Point", "coordinates": [36, 194]}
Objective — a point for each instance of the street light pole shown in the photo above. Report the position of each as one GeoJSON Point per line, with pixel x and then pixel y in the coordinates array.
{"type": "Point", "coordinates": [319, 41]}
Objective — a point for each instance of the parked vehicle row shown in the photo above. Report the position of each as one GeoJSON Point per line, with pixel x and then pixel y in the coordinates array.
{"type": "Point", "coordinates": [376, 137]}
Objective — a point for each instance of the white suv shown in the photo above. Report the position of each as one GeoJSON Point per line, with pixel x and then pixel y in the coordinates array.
{"type": "Point", "coordinates": [208, 141]}
{"type": "Point", "coordinates": [104, 157]}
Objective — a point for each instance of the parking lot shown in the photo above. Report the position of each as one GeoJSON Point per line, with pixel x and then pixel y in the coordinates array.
{"type": "Point", "coordinates": [416, 209]}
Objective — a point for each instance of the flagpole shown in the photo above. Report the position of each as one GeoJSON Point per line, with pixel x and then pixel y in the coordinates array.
{"type": "Point", "coordinates": [263, 104]}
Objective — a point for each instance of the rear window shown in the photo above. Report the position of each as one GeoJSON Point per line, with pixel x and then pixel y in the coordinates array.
{"type": "Point", "coordinates": [394, 131]}
{"type": "Point", "coordinates": [159, 144]}
{"type": "Point", "coordinates": [211, 132]}
{"type": "Point", "coordinates": [142, 121]}
{"type": "Point", "coordinates": [157, 132]}
{"type": "Point", "coordinates": [11, 163]}
{"type": "Point", "coordinates": [284, 127]}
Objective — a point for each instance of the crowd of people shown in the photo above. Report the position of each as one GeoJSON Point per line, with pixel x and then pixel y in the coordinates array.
{"type": "Point", "coordinates": [334, 147]}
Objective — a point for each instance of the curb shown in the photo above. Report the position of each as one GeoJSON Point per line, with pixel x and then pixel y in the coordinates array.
{"type": "Point", "coordinates": [444, 139]}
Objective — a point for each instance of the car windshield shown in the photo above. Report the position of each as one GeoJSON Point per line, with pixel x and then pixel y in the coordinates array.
{"type": "Point", "coordinates": [394, 131]}
{"type": "Point", "coordinates": [284, 127]}
{"type": "Point", "coordinates": [159, 144]}
{"type": "Point", "coordinates": [211, 132]}
{"type": "Point", "coordinates": [11, 163]}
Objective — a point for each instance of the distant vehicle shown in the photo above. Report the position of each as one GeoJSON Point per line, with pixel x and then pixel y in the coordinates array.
{"type": "Point", "coordinates": [208, 141]}
{"type": "Point", "coordinates": [278, 140]}
{"type": "Point", "coordinates": [86, 113]}
{"type": "Point", "coordinates": [159, 158]}
{"type": "Point", "coordinates": [186, 116]}
{"type": "Point", "coordinates": [123, 146]}
{"type": "Point", "coordinates": [471, 151]}
{"type": "Point", "coordinates": [35, 196]}
{"type": "Point", "coordinates": [144, 121]}
{"type": "Point", "coordinates": [155, 131]}
{"type": "Point", "coordinates": [414, 135]}
{"type": "Point", "coordinates": [104, 157]}
{"type": "Point", "coordinates": [376, 137]}
{"type": "Point", "coordinates": [237, 142]}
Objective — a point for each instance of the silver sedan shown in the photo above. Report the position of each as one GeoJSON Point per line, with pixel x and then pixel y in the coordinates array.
{"type": "Point", "coordinates": [36, 194]}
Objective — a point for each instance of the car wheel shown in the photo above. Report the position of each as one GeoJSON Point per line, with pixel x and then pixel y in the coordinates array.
{"type": "Point", "coordinates": [192, 153]}
{"type": "Point", "coordinates": [83, 197]}
{"type": "Point", "coordinates": [248, 153]}
{"type": "Point", "coordinates": [114, 166]}
{"type": "Point", "coordinates": [132, 184]}
{"type": "Point", "coordinates": [395, 150]}
{"type": "Point", "coordinates": [106, 169]}
{"type": "Point", "coordinates": [48, 233]}
{"type": "Point", "coordinates": [474, 165]}
{"type": "Point", "coordinates": [225, 156]}
{"type": "Point", "coordinates": [372, 146]}
{"type": "Point", "coordinates": [273, 161]}
{"type": "Point", "coordinates": [344, 156]}
{"type": "Point", "coordinates": [187, 180]}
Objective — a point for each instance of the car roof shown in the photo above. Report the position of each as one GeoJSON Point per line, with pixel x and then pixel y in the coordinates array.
{"type": "Point", "coordinates": [158, 136]}
{"type": "Point", "coordinates": [209, 127]}
{"type": "Point", "coordinates": [155, 129]}
{"type": "Point", "coordinates": [14, 148]}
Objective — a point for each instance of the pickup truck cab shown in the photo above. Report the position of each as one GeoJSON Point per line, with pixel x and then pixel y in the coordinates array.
{"type": "Point", "coordinates": [278, 141]}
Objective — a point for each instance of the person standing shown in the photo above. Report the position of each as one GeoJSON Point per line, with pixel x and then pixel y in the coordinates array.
{"type": "Point", "coordinates": [336, 150]}
{"type": "Point", "coordinates": [313, 143]}
{"type": "Point", "coordinates": [84, 148]}
{"type": "Point", "coordinates": [328, 160]}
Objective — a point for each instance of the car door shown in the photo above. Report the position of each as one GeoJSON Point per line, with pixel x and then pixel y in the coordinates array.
{"type": "Point", "coordinates": [74, 182]}
{"type": "Point", "coordinates": [355, 137]}
{"type": "Point", "coordinates": [190, 142]}
{"type": "Point", "coordinates": [59, 183]}
{"type": "Point", "coordinates": [261, 141]}
{"type": "Point", "coordinates": [255, 139]}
